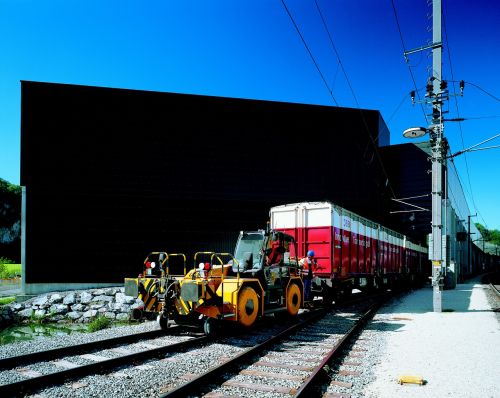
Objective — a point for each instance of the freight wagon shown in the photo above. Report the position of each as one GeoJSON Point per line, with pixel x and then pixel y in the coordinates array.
{"type": "Point", "coordinates": [352, 252]}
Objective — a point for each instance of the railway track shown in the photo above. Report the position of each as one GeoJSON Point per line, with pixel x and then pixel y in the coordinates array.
{"type": "Point", "coordinates": [495, 289]}
{"type": "Point", "coordinates": [295, 362]}
{"type": "Point", "coordinates": [126, 357]}
{"type": "Point", "coordinates": [153, 363]}
{"type": "Point", "coordinates": [492, 279]}
{"type": "Point", "coordinates": [55, 353]}
{"type": "Point", "coordinates": [77, 361]}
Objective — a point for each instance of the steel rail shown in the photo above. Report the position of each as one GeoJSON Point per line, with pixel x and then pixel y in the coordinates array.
{"type": "Point", "coordinates": [9, 362]}
{"type": "Point", "coordinates": [194, 386]}
{"type": "Point", "coordinates": [20, 388]}
{"type": "Point", "coordinates": [307, 389]}
{"type": "Point", "coordinates": [215, 373]}
{"type": "Point", "coordinates": [495, 289]}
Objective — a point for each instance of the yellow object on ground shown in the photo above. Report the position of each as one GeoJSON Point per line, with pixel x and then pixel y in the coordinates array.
{"type": "Point", "coordinates": [411, 380]}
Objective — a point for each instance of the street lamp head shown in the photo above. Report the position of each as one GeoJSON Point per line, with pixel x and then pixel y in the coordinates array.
{"type": "Point", "coordinates": [414, 132]}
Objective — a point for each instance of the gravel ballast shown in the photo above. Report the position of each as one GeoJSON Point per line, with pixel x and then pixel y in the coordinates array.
{"type": "Point", "coordinates": [456, 352]}
{"type": "Point", "coordinates": [50, 342]}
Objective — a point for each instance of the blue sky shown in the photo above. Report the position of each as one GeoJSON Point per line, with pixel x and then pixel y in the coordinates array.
{"type": "Point", "coordinates": [251, 49]}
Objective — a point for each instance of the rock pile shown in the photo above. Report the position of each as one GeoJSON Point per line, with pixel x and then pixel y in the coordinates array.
{"type": "Point", "coordinates": [73, 306]}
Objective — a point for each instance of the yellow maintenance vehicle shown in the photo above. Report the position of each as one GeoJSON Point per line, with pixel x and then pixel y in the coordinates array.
{"type": "Point", "coordinates": [151, 285]}
{"type": "Point", "coordinates": [260, 278]}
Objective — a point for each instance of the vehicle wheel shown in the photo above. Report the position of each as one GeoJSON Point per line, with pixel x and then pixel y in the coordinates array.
{"type": "Point", "coordinates": [346, 291]}
{"type": "Point", "coordinates": [328, 297]}
{"type": "Point", "coordinates": [293, 299]}
{"type": "Point", "coordinates": [162, 320]}
{"type": "Point", "coordinates": [248, 306]}
{"type": "Point", "coordinates": [210, 326]}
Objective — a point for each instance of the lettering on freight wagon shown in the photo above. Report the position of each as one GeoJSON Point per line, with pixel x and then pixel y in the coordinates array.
{"type": "Point", "coordinates": [361, 242]}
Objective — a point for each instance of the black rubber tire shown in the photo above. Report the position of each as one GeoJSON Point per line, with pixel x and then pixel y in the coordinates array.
{"type": "Point", "coordinates": [163, 321]}
{"type": "Point", "coordinates": [210, 327]}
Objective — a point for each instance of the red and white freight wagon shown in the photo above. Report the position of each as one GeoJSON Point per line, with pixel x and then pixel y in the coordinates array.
{"type": "Point", "coordinates": [351, 251]}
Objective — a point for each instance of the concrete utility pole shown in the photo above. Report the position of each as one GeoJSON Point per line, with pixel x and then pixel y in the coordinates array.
{"type": "Point", "coordinates": [436, 131]}
{"type": "Point", "coordinates": [437, 93]}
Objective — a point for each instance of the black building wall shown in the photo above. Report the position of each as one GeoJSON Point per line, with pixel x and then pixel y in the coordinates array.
{"type": "Point", "coordinates": [113, 174]}
{"type": "Point", "coordinates": [408, 168]}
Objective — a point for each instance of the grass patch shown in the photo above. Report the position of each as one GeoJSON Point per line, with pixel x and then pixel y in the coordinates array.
{"type": "Point", "coordinates": [99, 323]}
{"type": "Point", "coordinates": [9, 270]}
{"type": "Point", "coordinates": [14, 269]}
{"type": "Point", "coordinates": [6, 300]}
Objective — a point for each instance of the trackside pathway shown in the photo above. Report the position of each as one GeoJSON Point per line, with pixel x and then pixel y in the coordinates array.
{"type": "Point", "coordinates": [457, 352]}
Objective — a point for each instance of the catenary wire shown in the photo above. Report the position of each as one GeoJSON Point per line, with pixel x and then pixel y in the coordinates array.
{"type": "Point", "coordinates": [405, 97]}
{"type": "Point", "coordinates": [458, 112]}
{"type": "Point", "coordinates": [413, 79]}
{"type": "Point", "coordinates": [483, 90]}
{"type": "Point", "coordinates": [309, 51]}
{"type": "Point", "coordinates": [335, 76]}
{"type": "Point", "coordinates": [482, 117]}
{"type": "Point", "coordinates": [371, 139]}
{"type": "Point", "coordinates": [337, 53]}
{"type": "Point", "coordinates": [409, 68]}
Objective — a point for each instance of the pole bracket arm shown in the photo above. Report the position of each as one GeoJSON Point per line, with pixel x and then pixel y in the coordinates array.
{"type": "Point", "coordinates": [423, 48]}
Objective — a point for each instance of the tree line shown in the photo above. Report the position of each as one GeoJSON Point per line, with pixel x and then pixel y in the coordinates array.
{"type": "Point", "coordinates": [10, 221]}
{"type": "Point", "coordinates": [489, 235]}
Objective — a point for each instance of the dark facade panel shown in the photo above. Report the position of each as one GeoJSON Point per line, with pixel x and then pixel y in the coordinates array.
{"type": "Point", "coordinates": [408, 167]}
{"type": "Point", "coordinates": [112, 174]}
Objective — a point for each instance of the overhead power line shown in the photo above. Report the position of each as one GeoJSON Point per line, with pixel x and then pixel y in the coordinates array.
{"type": "Point", "coordinates": [309, 51]}
{"type": "Point", "coordinates": [336, 53]}
{"type": "Point", "coordinates": [409, 68]}
{"type": "Point", "coordinates": [405, 98]}
{"type": "Point", "coordinates": [484, 91]}
{"type": "Point", "coordinates": [458, 114]}
{"type": "Point", "coordinates": [475, 147]}
{"type": "Point", "coordinates": [482, 117]}
{"type": "Point", "coordinates": [367, 129]}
